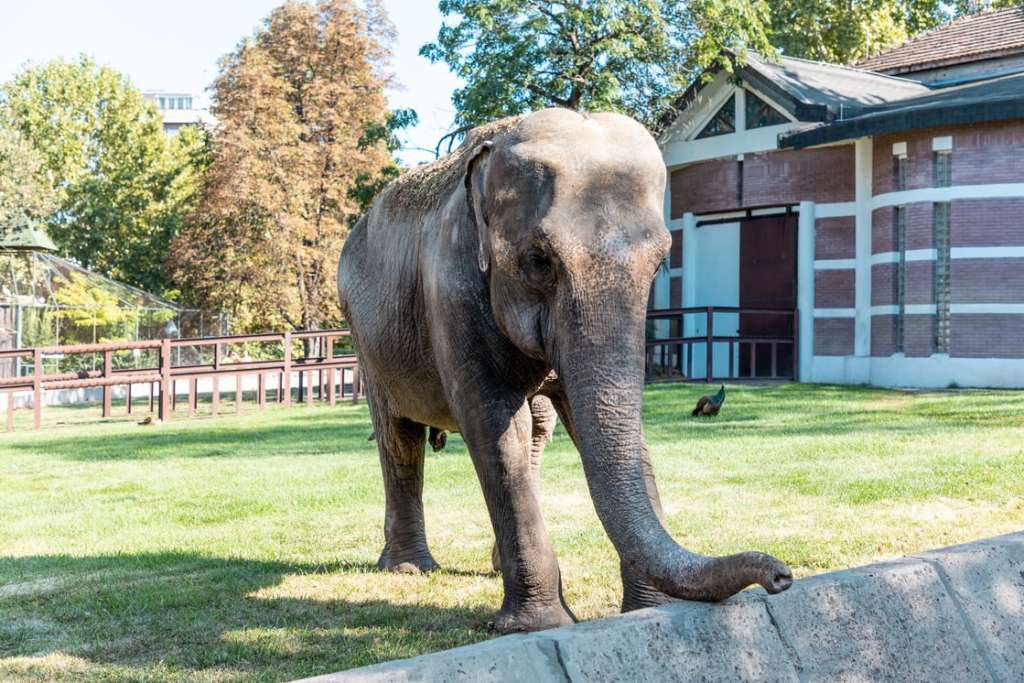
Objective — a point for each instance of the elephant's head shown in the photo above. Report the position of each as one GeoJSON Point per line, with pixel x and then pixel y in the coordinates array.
{"type": "Point", "coordinates": [568, 209]}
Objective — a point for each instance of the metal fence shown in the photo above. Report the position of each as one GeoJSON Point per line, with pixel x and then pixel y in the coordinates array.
{"type": "Point", "coordinates": [707, 344]}
{"type": "Point", "coordinates": [321, 373]}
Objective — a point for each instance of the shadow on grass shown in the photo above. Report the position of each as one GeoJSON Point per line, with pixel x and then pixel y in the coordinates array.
{"type": "Point", "coordinates": [280, 434]}
{"type": "Point", "coordinates": [183, 613]}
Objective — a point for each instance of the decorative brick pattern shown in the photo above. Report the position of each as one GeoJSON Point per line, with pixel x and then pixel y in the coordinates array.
{"type": "Point", "coordinates": [987, 336]}
{"type": "Point", "coordinates": [988, 281]}
{"type": "Point", "coordinates": [835, 238]}
{"type": "Point", "coordinates": [883, 335]}
{"type": "Point", "coordinates": [988, 222]}
{"type": "Point", "coordinates": [918, 335]}
{"type": "Point", "coordinates": [834, 288]}
{"type": "Point", "coordinates": [833, 336]}
{"type": "Point", "coordinates": [705, 187]}
{"type": "Point", "coordinates": [820, 175]}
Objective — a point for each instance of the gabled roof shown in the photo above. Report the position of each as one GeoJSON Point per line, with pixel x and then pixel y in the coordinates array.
{"type": "Point", "coordinates": [24, 234]}
{"type": "Point", "coordinates": [810, 91]}
{"type": "Point", "coordinates": [819, 84]}
{"type": "Point", "coordinates": [996, 99]}
{"type": "Point", "coordinates": [975, 37]}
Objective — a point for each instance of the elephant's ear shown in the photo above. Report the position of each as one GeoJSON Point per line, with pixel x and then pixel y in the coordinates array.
{"type": "Point", "coordinates": [476, 176]}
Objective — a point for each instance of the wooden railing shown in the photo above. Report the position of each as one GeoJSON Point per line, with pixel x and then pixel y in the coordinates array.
{"type": "Point", "coordinates": [742, 357]}
{"type": "Point", "coordinates": [319, 376]}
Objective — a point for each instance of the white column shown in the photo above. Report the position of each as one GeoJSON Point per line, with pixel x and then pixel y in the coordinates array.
{"type": "Point", "coordinates": [661, 281]}
{"type": "Point", "coordinates": [690, 274]}
{"type": "Point", "coordinates": [862, 322]}
{"type": "Point", "coordinates": [805, 289]}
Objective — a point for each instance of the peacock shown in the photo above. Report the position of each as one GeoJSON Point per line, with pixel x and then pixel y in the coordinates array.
{"type": "Point", "coordinates": [708, 406]}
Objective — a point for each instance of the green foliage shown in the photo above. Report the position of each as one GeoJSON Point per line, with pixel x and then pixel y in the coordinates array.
{"type": "Point", "coordinates": [368, 185]}
{"type": "Point", "coordinates": [25, 187]}
{"type": "Point", "coordinates": [121, 185]}
{"type": "Point", "coordinates": [630, 56]}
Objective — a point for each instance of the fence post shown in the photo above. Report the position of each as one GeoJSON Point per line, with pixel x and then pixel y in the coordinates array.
{"type": "Point", "coordinates": [796, 345]}
{"type": "Point", "coordinates": [164, 413]}
{"type": "Point", "coordinates": [108, 367]}
{"type": "Point", "coordinates": [37, 387]}
{"type": "Point", "coordinates": [710, 343]}
{"type": "Point", "coordinates": [286, 380]}
{"type": "Point", "coordinates": [329, 356]}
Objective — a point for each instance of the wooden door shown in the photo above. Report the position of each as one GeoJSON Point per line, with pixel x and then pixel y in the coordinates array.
{"type": "Point", "coordinates": [767, 280]}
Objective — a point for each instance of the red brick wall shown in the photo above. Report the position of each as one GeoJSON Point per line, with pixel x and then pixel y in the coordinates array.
{"type": "Point", "coordinates": [834, 288]}
{"type": "Point", "coordinates": [918, 335]}
{"type": "Point", "coordinates": [987, 281]}
{"type": "Point", "coordinates": [820, 175]}
{"type": "Point", "coordinates": [883, 335]}
{"type": "Point", "coordinates": [987, 336]}
{"type": "Point", "coordinates": [982, 153]}
{"type": "Point", "coordinates": [920, 229]}
{"type": "Point", "coordinates": [835, 238]}
{"type": "Point", "coordinates": [883, 235]}
{"type": "Point", "coordinates": [705, 186]}
{"type": "Point", "coordinates": [833, 336]}
{"type": "Point", "coordinates": [883, 284]}
{"type": "Point", "coordinates": [770, 178]}
{"type": "Point", "coordinates": [989, 153]}
{"type": "Point", "coordinates": [920, 282]}
{"type": "Point", "coordinates": [987, 222]}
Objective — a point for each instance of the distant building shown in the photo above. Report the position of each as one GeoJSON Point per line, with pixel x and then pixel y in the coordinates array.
{"type": "Point", "coordinates": [179, 109]}
{"type": "Point", "coordinates": [884, 202]}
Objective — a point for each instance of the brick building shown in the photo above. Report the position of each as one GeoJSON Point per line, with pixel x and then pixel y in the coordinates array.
{"type": "Point", "coordinates": [884, 202]}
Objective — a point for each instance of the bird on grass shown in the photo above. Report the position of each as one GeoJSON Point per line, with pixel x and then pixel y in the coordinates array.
{"type": "Point", "coordinates": [708, 406]}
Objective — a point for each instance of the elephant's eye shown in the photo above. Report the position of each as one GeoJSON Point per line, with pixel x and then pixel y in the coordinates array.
{"type": "Point", "coordinates": [537, 267]}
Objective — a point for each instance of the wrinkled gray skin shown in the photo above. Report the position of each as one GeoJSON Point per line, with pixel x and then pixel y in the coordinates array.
{"type": "Point", "coordinates": [537, 259]}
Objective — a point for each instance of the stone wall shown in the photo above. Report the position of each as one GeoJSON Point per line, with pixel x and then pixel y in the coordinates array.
{"type": "Point", "coordinates": [955, 614]}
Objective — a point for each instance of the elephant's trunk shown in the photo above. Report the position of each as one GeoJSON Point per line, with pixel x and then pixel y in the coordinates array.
{"type": "Point", "coordinates": [601, 364]}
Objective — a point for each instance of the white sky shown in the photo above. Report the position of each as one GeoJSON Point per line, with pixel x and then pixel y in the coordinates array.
{"type": "Point", "coordinates": [175, 46]}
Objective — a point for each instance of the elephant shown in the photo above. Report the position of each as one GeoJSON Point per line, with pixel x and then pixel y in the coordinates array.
{"type": "Point", "coordinates": [519, 266]}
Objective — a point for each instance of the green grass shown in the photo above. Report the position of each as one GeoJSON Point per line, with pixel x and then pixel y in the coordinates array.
{"type": "Point", "coordinates": [243, 547]}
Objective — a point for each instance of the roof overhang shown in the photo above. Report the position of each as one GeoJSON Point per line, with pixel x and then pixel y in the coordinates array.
{"type": "Point", "coordinates": [930, 113]}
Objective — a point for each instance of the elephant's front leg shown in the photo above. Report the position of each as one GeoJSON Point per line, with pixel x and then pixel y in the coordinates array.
{"type": "Point", "coordinates": [543, 418]}
{"type": "Point", "coordinates": [499, 436]}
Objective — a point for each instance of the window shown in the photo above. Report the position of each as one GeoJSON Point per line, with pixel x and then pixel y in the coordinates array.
{"type": "Point", "coordinates": [761, 114]}
{"type": "Point", "coordinates": [942, 288]}
{"type": "Point", "coordinates": [675, 259]}
{"type": "Point", "coordinates": [942, 163]}
{"type": "Point", "coordinates": [899, 222]}
{"type": "Point", "coordinates": [723, 122]}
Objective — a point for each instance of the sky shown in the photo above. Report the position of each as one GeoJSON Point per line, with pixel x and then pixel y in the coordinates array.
{"type": "Point", "coordinates": [175, 46]}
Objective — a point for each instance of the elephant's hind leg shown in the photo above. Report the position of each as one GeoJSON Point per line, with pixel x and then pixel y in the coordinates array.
{"type": "Point", "coordinates": [401, 445]}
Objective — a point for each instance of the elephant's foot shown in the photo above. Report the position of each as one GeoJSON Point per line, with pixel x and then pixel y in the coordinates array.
{"type": "Point", "coordinates": [637, 594]}
{"type": "Point", "coordinates": [531, 618]}
{"type": "Point", "coordinates": [415, 562]}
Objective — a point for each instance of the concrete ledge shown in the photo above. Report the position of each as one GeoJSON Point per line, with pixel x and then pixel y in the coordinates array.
{"type": "Point", "coordinates": [950, 614]}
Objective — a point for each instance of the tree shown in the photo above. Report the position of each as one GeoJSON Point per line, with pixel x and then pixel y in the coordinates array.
{"type": "Point", "coordinates": [24, 184]}
{"type": "Point", "coordinates": [295, 104]}
{"type": "Point", "coordinates": [620, 55]}
{"type": "Point", "coordinates": [122, 187]}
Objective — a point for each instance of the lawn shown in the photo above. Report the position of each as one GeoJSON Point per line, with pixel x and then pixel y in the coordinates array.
{"type": "Point", "coordinates": [244, 547]}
